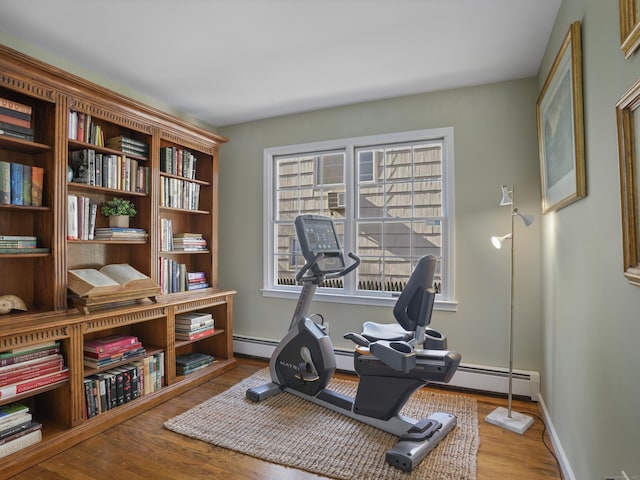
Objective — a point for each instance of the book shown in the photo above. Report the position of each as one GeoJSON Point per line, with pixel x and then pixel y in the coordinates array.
{"type": "Point", "coordinates": [16, 184]}
{"type": "Point", "coordinates": [108, 280]}
{"type": "Point", "coordinates": [195, 335]}
{"type": "Point", "coordinates": [29, 437]}
{"type": "Point", "coordinates": [34, 383]}
{"type": "Point", "coordinates": [5, 182]}
{"type": "Point", "coordinates": [111, 343]}
{"type": "Point", "coordinates": [26, 184]}
{"type": "Point", "coordinates": [12, 410]}
{"type": "Point", "coordinates": [193, 317]}
{"type": "Point", "coordinates": [10, 422]}
{"type": "Point", "coordinates": [12, 359]}
{"type": "Point", "coordinates": [21, 374]}
{"type": "Point", "coordinates": [13, 120]}
{"type": "Point", "coordinates": [16, 106]}
{"type": "Point", "coordinates": [37, 184]}
{"type": "Point", "coordinates": [72, 217]}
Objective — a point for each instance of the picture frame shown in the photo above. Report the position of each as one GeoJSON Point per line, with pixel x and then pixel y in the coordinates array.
{"type": "Point", "coordinates": [628, 123]}
{"type": "Point", "coordinates": [559, 112]}
{"type": "Point", "coordinates": [629, 26]}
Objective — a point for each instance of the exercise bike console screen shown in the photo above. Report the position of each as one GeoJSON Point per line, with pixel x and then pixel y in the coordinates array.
{"type": "Point", "coordinates": [317, 236]}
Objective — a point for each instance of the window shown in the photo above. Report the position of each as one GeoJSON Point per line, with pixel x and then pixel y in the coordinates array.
{"type": "Point", "coordinates": [391, 199]}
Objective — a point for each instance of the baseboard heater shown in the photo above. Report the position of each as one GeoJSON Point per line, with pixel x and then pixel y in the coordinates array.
{"type": "Point", "coordinates": [481, 378]}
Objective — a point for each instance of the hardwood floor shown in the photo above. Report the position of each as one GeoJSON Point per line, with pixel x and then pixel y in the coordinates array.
{"type": "Point", "coordinates": [141, 448]}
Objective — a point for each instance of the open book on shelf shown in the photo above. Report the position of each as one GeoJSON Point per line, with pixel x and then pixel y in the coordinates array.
{"type": "Point", "coordinates": [109, 280]}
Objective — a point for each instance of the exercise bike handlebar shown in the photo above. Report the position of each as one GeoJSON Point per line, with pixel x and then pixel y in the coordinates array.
{"type": "Point", "coordinates": [305, 268]}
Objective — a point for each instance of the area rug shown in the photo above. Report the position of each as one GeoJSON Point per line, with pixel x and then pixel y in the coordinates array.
{"type": "Point", "coordinates": [290, 431]}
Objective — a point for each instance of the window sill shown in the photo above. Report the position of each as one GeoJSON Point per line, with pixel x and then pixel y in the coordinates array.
{"type": "Point", "coordinates": [370, 300]}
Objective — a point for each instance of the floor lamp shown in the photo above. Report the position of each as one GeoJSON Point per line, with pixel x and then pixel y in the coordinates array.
{"type": "Point", "coordinates": [506, 417]}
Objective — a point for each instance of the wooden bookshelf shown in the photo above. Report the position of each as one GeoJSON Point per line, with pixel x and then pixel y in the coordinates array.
{"type": "Point", "coordinates": [40, 279]}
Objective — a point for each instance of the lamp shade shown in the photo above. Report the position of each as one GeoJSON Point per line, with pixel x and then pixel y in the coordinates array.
{"type": "Point", "coordinates": [506, 196]}
{"type": "Point", "coordinates": [497, 241]}
{"type": "Point", "coordinates": [526, 219]}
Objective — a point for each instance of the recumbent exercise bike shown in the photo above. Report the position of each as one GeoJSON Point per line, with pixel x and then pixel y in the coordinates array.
{"type": "Point", "coordinates": [392, 360]}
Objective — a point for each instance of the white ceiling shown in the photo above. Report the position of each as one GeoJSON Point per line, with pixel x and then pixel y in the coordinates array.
{"type": "Point", "coordinates": [229, 61]}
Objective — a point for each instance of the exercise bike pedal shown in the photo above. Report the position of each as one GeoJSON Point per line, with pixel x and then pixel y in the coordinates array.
{"type": "Point", "coordinates": [307, 377]}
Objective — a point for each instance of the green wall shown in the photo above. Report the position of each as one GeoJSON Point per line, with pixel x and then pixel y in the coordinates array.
{"type": "Point", "coordinates": [495, 143]}
{"type": "Point", "coordinates": [591, 322]}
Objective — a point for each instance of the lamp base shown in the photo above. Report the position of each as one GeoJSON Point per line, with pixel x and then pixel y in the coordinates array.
{"type": "Point", "coordinates": [518, 422]}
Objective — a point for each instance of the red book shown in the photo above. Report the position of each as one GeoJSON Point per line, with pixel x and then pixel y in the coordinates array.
{"type": "Point", "coordinates": [23, 357]}
{"type": "Point", "coordinates": [18, 372]}
{"type": "Point", "coordinates": [112, 353]}
{"type": "Point", "coordinates": [195, 336]}
{"type": "Point", "coordinates": [31, 373]}
{"type": "Point", "coordinates": [15, 121]}
{"type": "Point", "coordinates": [32, 384]}
{"type": "Point", "coordinates": [18, 107]}
{"type": "Point", "coordinates": [112, 343]}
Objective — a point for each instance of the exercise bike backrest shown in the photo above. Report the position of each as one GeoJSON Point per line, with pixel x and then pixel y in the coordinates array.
{"type": "Point", "coordinates": [321, 250]}
{"type": "Point", "coordinates": [415, 304]}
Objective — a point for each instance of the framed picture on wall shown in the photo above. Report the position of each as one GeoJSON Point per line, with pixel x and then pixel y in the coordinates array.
{"type": "Point", "coordinates": [629, 26]}
{"type": "Point", "coordinates": [561, 127]}
{"type": "Point", "coordinates": [628, 120]}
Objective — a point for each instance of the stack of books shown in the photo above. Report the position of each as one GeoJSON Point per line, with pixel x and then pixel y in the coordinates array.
{"type": "Point", "coordinates": [196, 281]}
{"type": "Point", "coordinates": [20, 244]}
{"type": "Point", "coordinates": [18, 430]}
{"type": "Point", "coordinates": [29, 368]}
{"type": "Point", "coordinates": [117, 386]}
{"type": "Point", "coordinates": [189, 242]}
{"type": "Point", "coordinates": [105, 351]}
{"type": "Point", "coordinates": [21, 184]}
{"type": "Point", "coordinates": [15, 119]}
{"type": "Point", "coordinates": [117, 233]}
{"type": "Point", "coordinates": [194, 325]}
{"type": "Point", "coordinates": [192, 362]}
{"type": "Point", "coordinates": [129, 145]}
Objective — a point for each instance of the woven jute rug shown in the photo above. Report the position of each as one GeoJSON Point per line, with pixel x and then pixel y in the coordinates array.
{"type": "Point", "coordinates": [290, 431]}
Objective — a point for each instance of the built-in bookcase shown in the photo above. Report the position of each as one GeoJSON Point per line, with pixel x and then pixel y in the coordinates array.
{"type": "Point", "coordinates": [56, 99]}
{"type": "Point", "coordinates": [36, 271]}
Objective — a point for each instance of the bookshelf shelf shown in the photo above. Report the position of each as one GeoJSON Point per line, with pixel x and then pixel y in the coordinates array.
{"type": "Point", "coordinates": [40, 279]}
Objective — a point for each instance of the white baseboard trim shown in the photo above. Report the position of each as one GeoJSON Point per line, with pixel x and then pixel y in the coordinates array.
{"type": "Point", "coordinates": [565, 466]}
{"type": "Point", "coordinates": [474, 377]}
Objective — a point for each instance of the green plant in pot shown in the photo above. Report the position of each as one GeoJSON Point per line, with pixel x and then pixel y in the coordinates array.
{"type": "Point", "coordinates": [119, 210]}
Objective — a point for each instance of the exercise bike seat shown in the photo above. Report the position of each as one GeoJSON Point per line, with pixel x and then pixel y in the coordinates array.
{"type": "Point", "coordinates": [373, 332]}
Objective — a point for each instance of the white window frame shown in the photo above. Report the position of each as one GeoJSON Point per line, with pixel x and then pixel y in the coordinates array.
{"type": "Point", "coordinates": [446, 300]}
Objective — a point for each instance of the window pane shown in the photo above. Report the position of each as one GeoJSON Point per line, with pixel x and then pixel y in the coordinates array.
{"type": "Point", "coordinates": [427, 238]}
{"type": "Point", "coordinates": [365, 166]}
{"type": "Point", "coordinates": [287, 171]}
{"type": "Point", "coordinates": [398, 201]}
{"type": "Point", "coordinates": [288, 205]}
{"type": "Point", "coordinates": [396, 240]}
{"type": "Point", "coordinates": [427, 199]}
{"type": "Point", "coordinates": [371, 201]}
{"type": "Point", "coordinates": [427, 161]}
{"type": "Point", "coordinates": [398, 164]}
{"type": "Point", "coordinates": [306, 171]}
{"type": "Point", "coordinates": [330, 169]}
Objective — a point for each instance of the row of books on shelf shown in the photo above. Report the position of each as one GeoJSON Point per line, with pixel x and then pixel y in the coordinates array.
{"type": "Point", "coordinates": [175, 278]}
{"type": "Point", "coordinates": [15, 119]}
{"type": "Point", "coordinates": [25, 369]}
{"type": "Point", "coordinates": [176, 193]}
{"type": "Point", "coordinates": [178, 161]}
{"type": "Point", "coordinates": [81, 217]}
{"type": "Point", "coordinates": [194, 325]}
{"type": "Point", "coordinates": [20, 244]}
{"type": "Point", "coordinates": [18, 429]}
{"type": "Point", "coordinates": [115, 387]}
{"type": "Point", "coordinates": [117, 172]}
{"type": "Point", "coordinates": [192, 362]}
{"type": "Point", "coordinates": [21, 184]}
